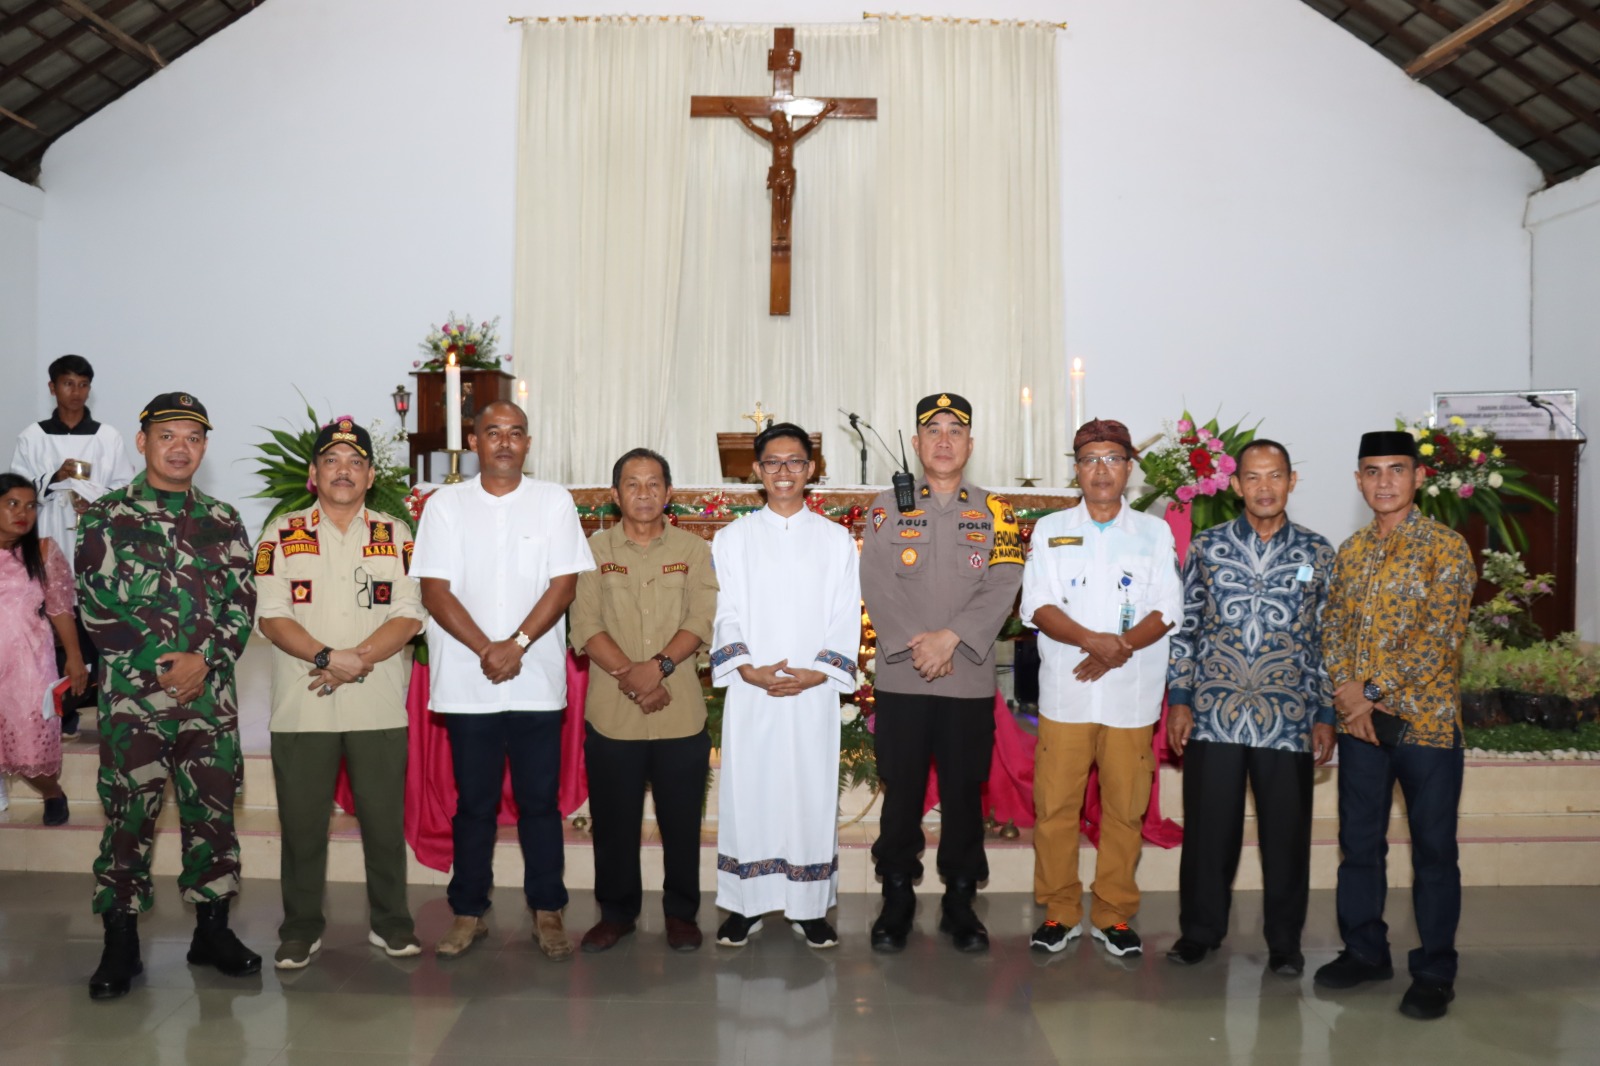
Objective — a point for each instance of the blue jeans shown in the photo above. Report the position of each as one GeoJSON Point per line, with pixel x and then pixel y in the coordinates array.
{"type": "Point", "coordinates": [480, 745]}
{"type": "Point", "coordinates": [1430, 779]}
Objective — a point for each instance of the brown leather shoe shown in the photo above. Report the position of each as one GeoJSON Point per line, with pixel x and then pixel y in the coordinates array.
{"type": "Point", "coordinates": [683, 935]}
{"type": "Point", "coordinates": [464, 932]}
{"type": "Point", "coordinates": [551, 935]}
{"type": "Point", "coordinates": [604, 936]}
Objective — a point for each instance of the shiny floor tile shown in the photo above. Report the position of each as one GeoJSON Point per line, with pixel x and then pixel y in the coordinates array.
{"type": "Point", "coordinates": [1529, 992]}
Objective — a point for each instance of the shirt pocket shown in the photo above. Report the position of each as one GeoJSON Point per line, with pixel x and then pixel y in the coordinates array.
{"type": "Point", "coordinates": [532, 554]}
{"type": "Point", "coordinates": [1131, 578]}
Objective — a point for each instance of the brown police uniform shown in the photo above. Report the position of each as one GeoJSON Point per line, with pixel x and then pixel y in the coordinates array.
{"type": "Point", "coordinates": [946, 564]}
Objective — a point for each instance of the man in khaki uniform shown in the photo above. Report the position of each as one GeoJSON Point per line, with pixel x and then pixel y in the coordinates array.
{"type": "Point", "coordinates": [648, 608]}
{"type": "Point", "coordinates": [938, 580]}
{"type": "Point", "coordinates": [338, 606]}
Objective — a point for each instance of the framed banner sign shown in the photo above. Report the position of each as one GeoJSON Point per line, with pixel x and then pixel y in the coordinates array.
{"type": "Point", "coordinates": [1548, 415]}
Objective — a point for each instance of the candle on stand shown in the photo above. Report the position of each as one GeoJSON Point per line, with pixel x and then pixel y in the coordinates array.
{"type": "Point", "coordinates": [452, 403]}
{"type": "Point", "coordinates": [1075, 388]}
{"type": "Point", "coordinates": [1027, 433]}
{"type": "Point", "coordinates": [522, 394]}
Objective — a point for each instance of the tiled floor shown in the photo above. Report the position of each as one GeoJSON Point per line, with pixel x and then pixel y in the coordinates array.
{"type": "Point", "coordinates": [1529, 992]}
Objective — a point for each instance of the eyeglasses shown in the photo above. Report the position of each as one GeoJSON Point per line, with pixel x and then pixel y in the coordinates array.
{"type": "Point", "coordinates": [1110, 462]}
{"type": "Point", "coordinates": [793, 466]}
{"type": "Point", "coordinates": [363, 588]}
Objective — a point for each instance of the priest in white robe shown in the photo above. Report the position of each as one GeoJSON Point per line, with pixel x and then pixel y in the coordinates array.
{"type": "Point", "coordinates": [786, 637]}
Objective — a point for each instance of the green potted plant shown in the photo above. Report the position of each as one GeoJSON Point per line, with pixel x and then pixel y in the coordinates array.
{"type": "Point", "coordinates": [1482, 678]}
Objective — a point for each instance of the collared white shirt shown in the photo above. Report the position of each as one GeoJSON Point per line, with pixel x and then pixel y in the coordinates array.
{"type": "Point", "coordinates": [499, 554]}
{"type": "Point", "coordinates": [1090, 573]}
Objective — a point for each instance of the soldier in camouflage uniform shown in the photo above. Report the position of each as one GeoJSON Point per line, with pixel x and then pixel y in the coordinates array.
{"type": "Point", "coordinates": [165, 588]}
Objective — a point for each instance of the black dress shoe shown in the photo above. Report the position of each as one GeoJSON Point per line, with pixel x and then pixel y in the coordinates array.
{"type": "Point", "coordinates": [603, 935]}
{"type": "Point", "coordinates": [1347, 971]}
{"type": "Point", "coordinates": [1286, 963]}
{"type": "Point", "coordinates": [889, 932]}
{"type": "Point", "coordinates": [1427, 1000]}
{"type": "Point", "coordinates": [960, 921]}
{"type": "Point", "coordinates": [214, 944]}
{"type": "Point", "coordinates": [1186, 952]}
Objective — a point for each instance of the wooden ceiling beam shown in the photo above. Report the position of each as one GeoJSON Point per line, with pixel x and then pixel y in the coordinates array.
{"type": "Point", "coordinates": [112, 32]}
{"type": "Point", "coordinates": [1455, 44]}
{"type": "Point", "coordinates": [1390, 28]}
{"type": "Point", "coordinates": [14, 117]}
{"type": "Point", "coordinates": [1514, 66]}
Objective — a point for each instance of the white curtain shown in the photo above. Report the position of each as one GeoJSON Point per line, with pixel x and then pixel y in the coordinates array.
{"type": "Point", "coordinates": [926, 252]}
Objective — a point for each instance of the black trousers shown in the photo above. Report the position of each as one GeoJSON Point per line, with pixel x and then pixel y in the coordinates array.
{"type": "Point", "coordinates": [676, 771]}
{"type": "Point", "coordinates": [1214, 777]}
{"type": "Point", "coordinates": [911, 733]}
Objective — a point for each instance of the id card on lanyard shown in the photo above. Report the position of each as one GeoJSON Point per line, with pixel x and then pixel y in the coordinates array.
{"type": "Point", "coordinates": [1125, 614]}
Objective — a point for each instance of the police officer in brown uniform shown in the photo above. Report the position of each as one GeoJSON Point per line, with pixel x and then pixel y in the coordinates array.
{"type": "Point", "coordinates": [939, 579]}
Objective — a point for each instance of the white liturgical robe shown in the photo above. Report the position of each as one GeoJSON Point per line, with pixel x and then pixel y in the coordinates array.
{"type": "Point", "coordinates": [791, 590]}
{"type": "Point", "coordinates": [44, 446]}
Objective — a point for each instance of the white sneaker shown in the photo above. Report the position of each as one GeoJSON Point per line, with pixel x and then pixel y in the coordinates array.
{"type": "Point", "coordinates": [5, 798]}
{"type": "Point", "coordinates": [399, 948]}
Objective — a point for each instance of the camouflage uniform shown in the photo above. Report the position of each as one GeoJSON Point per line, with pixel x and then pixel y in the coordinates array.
{"type": "Point", "coordinates": [161, 572]}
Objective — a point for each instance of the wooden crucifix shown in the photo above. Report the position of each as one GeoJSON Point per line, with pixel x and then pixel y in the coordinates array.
{"type": "Point", "coordinates": [780, 110]}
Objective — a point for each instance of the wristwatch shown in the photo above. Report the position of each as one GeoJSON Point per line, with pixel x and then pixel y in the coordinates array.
{"type": "Point", "coordinates": [320, 660]}
{"type": "Point", "coordinates": [522, 640]}
{"type": "Point", "coordinates": [666, 664]}
{"type": "Point", "coordinates": [1371, 692]}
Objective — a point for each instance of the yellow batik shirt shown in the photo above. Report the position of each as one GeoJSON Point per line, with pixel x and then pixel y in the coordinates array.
{"type": "Point", "coordinates": [1396, 616]}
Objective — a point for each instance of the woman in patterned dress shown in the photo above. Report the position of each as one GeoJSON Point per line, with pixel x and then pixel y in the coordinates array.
{"type": "Point", "coordinates": [35, 596]}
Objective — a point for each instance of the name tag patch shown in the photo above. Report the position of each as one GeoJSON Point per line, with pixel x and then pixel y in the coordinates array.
{"type": "Point", "coordinates": [386, 550]}
{"type": "Point", "coordinates": [613, 568]}
{"type": "Point", "coordinates": [298, 540]}
{"type": "Point", "coordinates": [1303, 574]}
{"type": "Point", "coordinates": [675, 568]}
{"type": "Point", "coordinates": [1066, 542]}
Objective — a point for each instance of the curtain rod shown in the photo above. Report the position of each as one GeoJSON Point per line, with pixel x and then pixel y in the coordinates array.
{"type": "Point", "coordinates": [970, 22]}
{"type": "Point", "coordinates": [600, 18]}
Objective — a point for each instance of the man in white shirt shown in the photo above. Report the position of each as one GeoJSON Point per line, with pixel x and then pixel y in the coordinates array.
{"type": "Point", "coordinates": [787, 631]}
{"type": "Point", "coordinates": [1102, 588]}
{"type": "Point", "coordinates": [72, 461]}
{"type": "Point", "coordinates": [498, 558]}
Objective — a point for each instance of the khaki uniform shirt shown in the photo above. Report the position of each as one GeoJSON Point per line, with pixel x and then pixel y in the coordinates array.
{"type": "Point", "coordinates": [939, 566]}
{"type": "Point", "coordinates": [340, 586]}
{"type": "Point", "coordinates": [641, 597]}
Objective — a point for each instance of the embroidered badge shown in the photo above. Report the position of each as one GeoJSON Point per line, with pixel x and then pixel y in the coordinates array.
{"type": "Point", "coordinates": [369, 551]}
{"type": "Point", "coordinates": [977, 538]}
{"type": "Point", "coordinates": [380, 532]}
{"type": "Point", "coordinates": [675, 568]}
{"type": "Point", "coordinates": [298, 522]}
{"type": "Point", "coordinates": [613, 568]}
{"type": "Point", "coordinates": [962, 495]}
{"type": "Point", "coordinates": [909, 557]}
{"type": "Point", "coordinates": [316, 517]}
{"type": "Point", "coordinates": [975, 560]}
{"type": "Point", "coordinates": [912, 514]}
{"type": "Point", "coordinates": [878, 517]}
{"type": "Point", "coordinates": [1065, 542]}
{"type": "Point", "coordinates": [300, 591]}
{"type": "Point", "coordinates": [976, 516]}
{"type": "Point", "coordinates": [910, 533]}
{"type": "Point", "coordinates": [405, 554]}
{"type": "Point", "coordinates": [298, 540]}
{"type": "Point", "coordinates": [382, 593]}
{"type": "Point", "coordinates": [264, 556]}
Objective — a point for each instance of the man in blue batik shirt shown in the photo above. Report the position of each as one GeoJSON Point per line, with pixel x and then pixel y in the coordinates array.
{"type": "Point", "coordinates": [1249, 698]}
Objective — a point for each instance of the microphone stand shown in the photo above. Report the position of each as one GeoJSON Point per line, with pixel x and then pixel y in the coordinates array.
{"type": "Point", "coordinates": [855, 424]}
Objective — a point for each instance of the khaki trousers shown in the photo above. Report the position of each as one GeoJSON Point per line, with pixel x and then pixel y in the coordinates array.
{"type": "Point", "coordinates": [1065, 753]}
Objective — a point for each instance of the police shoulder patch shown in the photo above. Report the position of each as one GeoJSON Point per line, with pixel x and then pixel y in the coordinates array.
{"type": "Point", "coordinates": [1007, 546]}
{"type": "Point", "coordinates": [266, 555]}
{"type": "Point", "coordinates": [405, 555]}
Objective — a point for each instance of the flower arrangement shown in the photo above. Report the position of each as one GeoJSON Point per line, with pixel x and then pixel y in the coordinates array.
{"type": "Point", "coordinates": [1193, 468]}
{"type": "Point", "coordinates": [1467, 473]}
{"type": "Point", "coordinates": [284, 463]}
{"type": "Point", "coordinates": [1505, 618]}
{"type": "Point", "coordinates": [472, 343]}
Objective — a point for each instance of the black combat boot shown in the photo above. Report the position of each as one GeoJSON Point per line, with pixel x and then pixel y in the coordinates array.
{"type": "Point", "coordinates": [119, 962]}
{"type": "Point", "coordinates": [960, 920]}
{"type": "Point", "coordinates": [889, 932]}
{"type": "Point", "coordinates": [215, 945]}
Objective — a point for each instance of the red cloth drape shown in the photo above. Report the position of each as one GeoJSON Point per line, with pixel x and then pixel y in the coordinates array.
{"type": "Point", "coordinates": [431, 783]}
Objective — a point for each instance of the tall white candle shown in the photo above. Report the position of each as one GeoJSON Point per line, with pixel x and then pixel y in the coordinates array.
{"type": "Point", "coordinates": [1027, 432]}
{"type": "Point", "coordinates": [522, 394]}
{"type": "Point", "coordinates": [1075, 388]}
{"type": "Point", "coordinates": [452, 403]}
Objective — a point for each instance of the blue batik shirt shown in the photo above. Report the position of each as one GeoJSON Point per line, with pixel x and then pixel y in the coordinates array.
{"type": "Point", "coordinates": [1248, 657]}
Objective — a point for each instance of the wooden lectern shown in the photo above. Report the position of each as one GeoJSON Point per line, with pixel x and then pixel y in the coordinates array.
{"type": "Point", "coordinates": [479, 389]}
{"type": "Point", "coordinates": [1552, 469]}
{"type": "Point", "coordinates": [738, 451]}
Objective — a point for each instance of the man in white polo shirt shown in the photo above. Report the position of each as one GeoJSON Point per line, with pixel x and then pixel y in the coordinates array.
{"type": "Point", "coordinates": [499, 558]}
{"type": "Point", "coordinates": [1101, 586]}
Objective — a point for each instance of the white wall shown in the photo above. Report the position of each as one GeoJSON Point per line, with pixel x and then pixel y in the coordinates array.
{"type": "Point", "coordinates": [1565, 224]}
{"type": "Point", "coordinates": [1261, 214]}
{"type": "Point", "coordinates": [21, 207]}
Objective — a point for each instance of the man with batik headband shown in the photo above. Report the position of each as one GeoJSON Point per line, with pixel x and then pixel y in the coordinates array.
{"type": "Point", "coordinates": [1396, 616]}
{"type": "Point", "coordinates": [339, 607]}
{"type": "Point", "coordinates": [939, 578]}
{"type": "Point", "coordinates": [787, 629]}
{"type": "Point", "coordinates": [1102, 589]}
{"type": "Point", "coordinates": [165, 588]}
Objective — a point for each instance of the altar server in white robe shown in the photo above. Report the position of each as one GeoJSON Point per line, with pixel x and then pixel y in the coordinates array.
{"type": "Point", "coordinates": [786, 636]}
